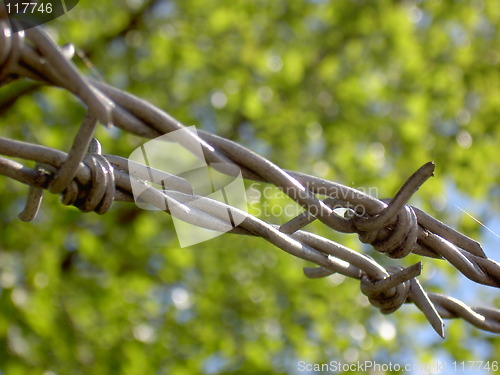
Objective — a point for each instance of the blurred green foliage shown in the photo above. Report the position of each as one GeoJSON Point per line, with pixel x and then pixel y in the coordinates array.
{"type": "Point", "coordinates": [356, 91]}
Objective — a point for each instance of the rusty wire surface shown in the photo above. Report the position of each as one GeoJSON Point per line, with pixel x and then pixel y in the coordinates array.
{"type": "Point", "coordinates": [91, 181]}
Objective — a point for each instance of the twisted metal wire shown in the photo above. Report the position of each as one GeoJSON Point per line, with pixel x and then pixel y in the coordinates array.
{"type": "Point", "coordinates": [91, 181]}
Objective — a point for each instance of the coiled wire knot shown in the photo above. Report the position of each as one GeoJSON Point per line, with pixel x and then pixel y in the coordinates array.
{"type": "Point", "coordinates": [386, 298]}
{"type": "Point", "coordinates": [394, 231]}
{"type": "Point", "coordinates": [396, 237]}
{"type": "Point", "coordinates": [400, 286]}
{"type": "Point", "coordinates": [96, 195]}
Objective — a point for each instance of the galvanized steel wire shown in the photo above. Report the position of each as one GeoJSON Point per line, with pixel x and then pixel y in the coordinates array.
{"type": "Point", "coordinates": [91, 181]}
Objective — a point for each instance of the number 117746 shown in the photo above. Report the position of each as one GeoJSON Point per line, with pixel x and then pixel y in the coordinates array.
{"type": "Point", "coordinates": [475, 365]}
{"type": "Point", "coordinates": [23, 8]}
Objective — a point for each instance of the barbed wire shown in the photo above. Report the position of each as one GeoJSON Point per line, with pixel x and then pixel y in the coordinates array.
{"type": "Point", "coordinates": [91, 181]}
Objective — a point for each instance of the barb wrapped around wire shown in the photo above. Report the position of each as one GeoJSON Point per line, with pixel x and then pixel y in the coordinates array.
{"type": "Point", "coordinates": [91, 182]}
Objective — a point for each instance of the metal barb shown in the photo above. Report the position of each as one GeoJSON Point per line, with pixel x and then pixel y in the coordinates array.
{"type": "Point", "coordinates": [409, 188]}
{"type": "Point", "coordinates": [33, 203]}
{"type": "Point", "coordinates": [75, 156]}
{"type": "Point", "coordinates": [395, 279]}
{"type": "Point", "coordinates": [420, 298]}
